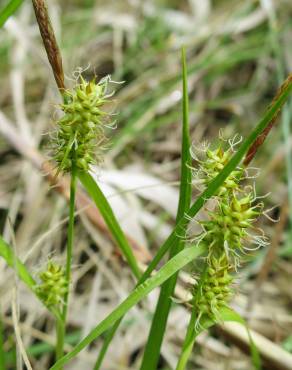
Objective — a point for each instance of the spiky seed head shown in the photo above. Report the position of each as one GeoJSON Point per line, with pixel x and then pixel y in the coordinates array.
{"type": "Point", "coordinates": [53, 285]}
{"type": "Point", "coordinates": [80, 131]}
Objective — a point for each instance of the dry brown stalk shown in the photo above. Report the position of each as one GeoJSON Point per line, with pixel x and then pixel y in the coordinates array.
{"type": "Point", "coordinates": [262, 137]}
{"type": "Point", "coordinates": [50, 42]}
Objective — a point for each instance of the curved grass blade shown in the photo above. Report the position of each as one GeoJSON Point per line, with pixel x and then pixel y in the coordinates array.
{"type": "Point", "coordinates": [170, 268]}
{"type": "Point", "coordinates": [22, 272]}
{"type": "Point", "coordinates": [8, 10]}
{"type": "Point", "coordinates": [13, 261]}
{"type": "Point", "coordinates": [109, 335]}
{"type": "Point", "coordinates": [184, 203]}
{"type": "Point", "coordinates": [105, 209]}
{"type": "Point", "coordinates": [155, 337]}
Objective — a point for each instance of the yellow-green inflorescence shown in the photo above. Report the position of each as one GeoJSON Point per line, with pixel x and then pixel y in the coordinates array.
{"type": "Point", "coordinates": [52, 286]}
{"type": "Point", "coordinates": [227, 233]}
{"type": "Point", "coordinates": [80, 131]}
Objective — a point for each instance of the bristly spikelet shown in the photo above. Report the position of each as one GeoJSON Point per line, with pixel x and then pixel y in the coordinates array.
{"type": "Point", "coordinates": [211, 163]}
{"type": "Point", "coordinates": [213, 292]}
{"type": "Point", "coordinates": [227, 229]}
{"type": "Point", "coordinates": [53, 285]}
{"type": "Point", "coordinates": [80, 131]}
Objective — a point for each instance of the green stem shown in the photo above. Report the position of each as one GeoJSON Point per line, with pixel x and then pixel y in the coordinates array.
{"type": "Point", "coordinates": [70, 236]}
{"type": "Point", "coordinates": [188, 342]}
{"type": "Point", "coordinates": [191, 332]}
{"type": "Point", "coordinates": [108, 338]}
{"type": "Point", "coordinates": [60, 332]}
{"type": "Point", "coordinates": [61, 323]}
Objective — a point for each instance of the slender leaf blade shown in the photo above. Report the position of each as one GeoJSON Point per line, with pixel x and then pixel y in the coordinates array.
{"type": "Point", "coordinates": [170, 268]}
{"type": "Point", "coordinates": [155, 337]}
{"type": "Point", "coordinates": [13, 261]}
{"type": "Point", "coordinates": [105, 209]}
{"type": "Point", "coordinates": [8, 10]}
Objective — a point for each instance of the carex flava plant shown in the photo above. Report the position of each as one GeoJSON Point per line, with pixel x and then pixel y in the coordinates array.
{"type": "Point", "coordinates": [227, 230]}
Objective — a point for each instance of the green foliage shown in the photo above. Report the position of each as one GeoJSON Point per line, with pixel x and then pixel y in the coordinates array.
{"type": "Point", "coordinates": [13, 261]}
{"type": "Point", "coordinates": [105, 209]}
{"type": "Point", "coordinates": [152, 350]}
{"type": "Point", "coordinates": [9, 10]}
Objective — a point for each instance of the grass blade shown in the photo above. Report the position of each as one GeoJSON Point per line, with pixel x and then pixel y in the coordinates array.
{"type": "Point", "coordinates": [155, 337]}
{"type": "Point", "coordinates": [20, 269]}
{"type": "Point", "coordinates": [105, 209]}
{"type": "Point", "coordinates": [170, 268]}
{"type": "Point", "coordinates": [7, 253]}
{"type": "Point", "coordinates": [109, 335]}
{"type": "Point", "coordinates": [8, 10]}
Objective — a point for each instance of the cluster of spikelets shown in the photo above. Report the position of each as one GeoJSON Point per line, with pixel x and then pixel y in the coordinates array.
{"type": "Point", "coordinates": [80, 133]}
{"type": "Point", "coordinates": [53, 285]}
{"type": "Point", "coordinates": [227, 233]}
{"type": "Point", "coordinates": [214, 290]}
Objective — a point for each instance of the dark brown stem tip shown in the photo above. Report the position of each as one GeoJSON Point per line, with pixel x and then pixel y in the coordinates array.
{"type": "Point", "coordinates": [262, 137]}
{"type": "Point", "coordinates": [50, 42]}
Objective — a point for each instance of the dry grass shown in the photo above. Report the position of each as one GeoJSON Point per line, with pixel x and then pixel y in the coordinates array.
{"type": "Point", "coordinates": [233, 70]}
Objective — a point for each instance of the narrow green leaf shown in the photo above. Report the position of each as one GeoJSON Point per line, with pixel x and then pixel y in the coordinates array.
{"type": "Point", "coordinates": [109, 335]}
{"type": "Point", "coordinates": [158, 326]}
{"type": "Point", "coordinates": [8, 10]}
{"type": "Point", "coordinates": [13, 261]}
{"type": "Point", "coordinates": [170, 268]}
{"type": "Point", "coordinates": [186, 173]}
{"type": "Point", "coordinates": [20, 269]}
{"type": "Point", "coordinates": [105, 209]}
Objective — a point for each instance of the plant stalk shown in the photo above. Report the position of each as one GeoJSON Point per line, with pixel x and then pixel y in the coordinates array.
{"type": "Point", "coordinates": [60, 332]}
{"type": "Point", "coordinates": [61, 323]}
{"type": "Point", "coordinates": [188, 342]}
{"type": "Point", "coordinates": [70, 239]}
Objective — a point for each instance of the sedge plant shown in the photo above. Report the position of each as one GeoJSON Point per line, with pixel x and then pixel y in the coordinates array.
{"type": "Point", "coordinates": [225, 235]}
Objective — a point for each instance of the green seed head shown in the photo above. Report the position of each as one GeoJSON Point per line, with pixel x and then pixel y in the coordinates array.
{"type": "Point", "coordinates": [211, 164]}
{"type": "Point", "coordinates": [225, 232]}
{"type": "Point", "coordinates": [53, 285]}
{"type": "Point", "coordinates": [80, 131]}
{"type": "Point", "coordinates": [214, 291]}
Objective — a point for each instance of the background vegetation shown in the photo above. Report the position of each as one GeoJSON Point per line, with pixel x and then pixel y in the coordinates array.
{"type": "Point", "coordinates": [238, 53]}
